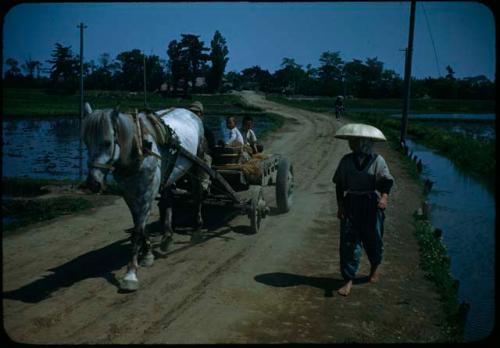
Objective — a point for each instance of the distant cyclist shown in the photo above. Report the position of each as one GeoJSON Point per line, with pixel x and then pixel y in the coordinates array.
{"type": "Point", "coordinates": [339, 107]}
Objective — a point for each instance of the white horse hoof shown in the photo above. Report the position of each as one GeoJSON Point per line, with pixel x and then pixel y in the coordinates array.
{"type": "Point", "coordinates": [129, 285]}
{"type": "Point", "coordinates": [147, 261]}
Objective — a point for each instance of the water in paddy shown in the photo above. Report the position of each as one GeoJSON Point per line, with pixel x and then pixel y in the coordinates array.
{"type": "Point", "coordinates": [465, 211]}
{"type": "Point", "coordinates": [473, 125]}
{"type": "Point", "coordinates": [48, 148]}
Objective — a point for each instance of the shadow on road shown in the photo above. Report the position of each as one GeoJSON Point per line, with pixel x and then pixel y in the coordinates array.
{"type": "Point", "coordinates": [328, 285]}
{"type": "Point", "coordinates": [101, 263]}
{"type": "Point", "coordinates": [94, 264]}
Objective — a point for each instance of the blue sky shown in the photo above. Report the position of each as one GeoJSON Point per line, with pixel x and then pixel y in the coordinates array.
{"type": "Point", "coordinates": [263, 33]}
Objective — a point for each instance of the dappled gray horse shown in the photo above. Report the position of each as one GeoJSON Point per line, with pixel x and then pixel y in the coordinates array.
{"type": "Point", "coordinates": [142, 150]}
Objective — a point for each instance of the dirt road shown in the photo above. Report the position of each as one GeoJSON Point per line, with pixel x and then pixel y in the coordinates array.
{"type": "Point", "coordinates": [59, 278]}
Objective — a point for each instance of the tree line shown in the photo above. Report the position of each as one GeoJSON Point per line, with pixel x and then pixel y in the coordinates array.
{"type": "Point", "coordinates": [191, 67]}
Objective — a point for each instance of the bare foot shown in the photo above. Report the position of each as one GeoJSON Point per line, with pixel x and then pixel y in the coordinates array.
{"type": "Point", "coordinates": [374, 274]}
{"type": "Point", "coordinates": [346, 289]}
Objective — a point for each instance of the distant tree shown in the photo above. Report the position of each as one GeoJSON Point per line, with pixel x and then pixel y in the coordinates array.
{"type": "Point", "coordinates": [177, 67]}
{"type": "Point", "coordinates": [330, 72]}
{"type": "Point", "coordinates": [65, 69]}
{"type": "Point", "coordinates": [290, 76]}
{"type": "Point", "coordinates": [192, 54]}
{"type": "Point", "coordinates": [219, 59]}
{"type": "Point", "coordinates": [30, 66]}
{"type": "Point", "coordinates": [155, 74]}
{"type": "Point", "coordinates": [355, 72]}
{"type": "Point", "coordinates": [130, 76]}
{"type": "Point", "coordinates": [13, 76]}
{"type": "Point", "coordinates": [450, 73]}
{"type": "Point", "coordinates": [373, 77]}
{"type": "Point", "coordinates": [256, 77]}
{"type": "Point", "coordinates": [101, 75]}
{"type": "Point", "coordinates": [234, 79]}
{"type": "Point", "coordinates": [13, 70]}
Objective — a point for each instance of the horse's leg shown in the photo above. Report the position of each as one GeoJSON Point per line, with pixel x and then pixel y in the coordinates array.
{"type": "Point", "coordinates": [140, 204]}
{"type": "Point", "coordinates": [198, 199]}
{"type": "Point", "coordinates": [130, 281]}
{"type": "Point", "coordinates": [165, 206]}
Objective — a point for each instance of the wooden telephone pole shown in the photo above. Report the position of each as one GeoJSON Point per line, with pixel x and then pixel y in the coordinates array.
{"type": "Point", "coordinates": [406, 96]}
{"type": "Point", "coordinates": [81, 26]}
{"type": "Point", "coordinates": [144, 75]}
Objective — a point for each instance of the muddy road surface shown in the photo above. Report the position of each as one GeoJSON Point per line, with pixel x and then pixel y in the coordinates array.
{"type": "Point", "coordinates": [277, 286]}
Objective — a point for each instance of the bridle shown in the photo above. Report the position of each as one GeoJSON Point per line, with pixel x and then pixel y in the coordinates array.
{"type": "Point", "coordinates": [109, 164]}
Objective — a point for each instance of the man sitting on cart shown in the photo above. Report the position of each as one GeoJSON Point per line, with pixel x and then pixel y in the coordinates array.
{"type": "Point", "coordinates": [197, 108]}
{"type": "Point", "coordinates": [233, 136]}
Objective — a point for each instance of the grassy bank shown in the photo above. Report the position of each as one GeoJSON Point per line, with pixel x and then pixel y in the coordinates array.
{"type": "Point", "coordinates": [323, 104]}
{"type": "Point", "coordinates": [37, 103]}
{"type": "Point", "coordinates": [474, 157]}
{"type": "Point", "coordinates": [434, 260]}
{"type": "Point", "coordinates": [23, 202]}
{"type": "Point", "coordinates": [24, 212]}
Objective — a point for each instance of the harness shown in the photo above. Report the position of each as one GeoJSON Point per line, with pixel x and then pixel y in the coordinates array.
{"type": "Point", "coordinates": [109, 164]}
{"type": "Point", "coordinates": [164, 135]}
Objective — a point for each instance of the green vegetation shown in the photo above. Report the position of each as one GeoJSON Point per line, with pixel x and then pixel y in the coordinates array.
{"type": "Point", "coordinates": [24, 212]}
{"type": "Point", "coordinates": [475, 157]}
{"type": "Point", "coordinates": [436, 263]}
{"type": "Point", "coordinates": [325, 104]}
{"type": "Point", "coordinates": [25, 187]}
{"type": "Point", "coordinates": [37, 103]}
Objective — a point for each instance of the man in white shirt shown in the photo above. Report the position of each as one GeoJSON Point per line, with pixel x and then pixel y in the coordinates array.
{"type": "Point", "coordinates": [249, 137]}
{"type": "Point", "coordinates": [233, 137]}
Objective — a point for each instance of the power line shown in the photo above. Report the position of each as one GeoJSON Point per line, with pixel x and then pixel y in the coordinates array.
{"type": "Point", "coordinates": [432, 38]}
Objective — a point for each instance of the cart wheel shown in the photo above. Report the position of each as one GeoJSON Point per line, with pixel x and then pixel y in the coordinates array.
{"type": "Point", "coordinates": [257, 205]}
{"type": "Point", "coordinates": [284, 185]}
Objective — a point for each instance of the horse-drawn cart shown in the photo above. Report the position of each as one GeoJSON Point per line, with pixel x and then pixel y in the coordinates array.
{"type": "Point", "coordinates": [240, 184]}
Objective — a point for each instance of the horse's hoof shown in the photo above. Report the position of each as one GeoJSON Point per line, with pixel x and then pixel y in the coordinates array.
{"type": "Point", "coordinates": [147, 261]}
{"type": "Point", "coordinates": [129, 285]}
{"type": "Point", "coordinates": [166, 244]}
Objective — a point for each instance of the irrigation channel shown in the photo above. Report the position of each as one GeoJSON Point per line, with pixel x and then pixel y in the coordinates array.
{"type": "Point", "coordinates": [48, 147]}
{"type": "Point", "coordinates": [464, 210]}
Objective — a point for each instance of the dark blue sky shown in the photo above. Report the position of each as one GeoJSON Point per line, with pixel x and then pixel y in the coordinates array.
{"type": "Point", "coordinates": [263, 33]}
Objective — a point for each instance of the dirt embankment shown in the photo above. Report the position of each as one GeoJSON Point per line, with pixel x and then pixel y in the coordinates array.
{"type": "Point", "coordinates": [276, 286]}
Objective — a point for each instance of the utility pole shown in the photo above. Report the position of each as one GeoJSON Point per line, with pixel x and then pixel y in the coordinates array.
{"type": "Point", "coordinates": [406, 96]}
{"type": "Point", "coordinates": [144, 70]}
{"type": "Point", "coordinates": [81, 27]}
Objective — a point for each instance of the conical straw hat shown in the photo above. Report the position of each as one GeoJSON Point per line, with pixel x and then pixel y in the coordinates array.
{"type": "Point", "coordinates": [359, 130]}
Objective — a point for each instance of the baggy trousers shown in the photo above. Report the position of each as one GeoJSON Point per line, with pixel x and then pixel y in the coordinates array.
{"type": "Point", "coordinates": [357, 230]}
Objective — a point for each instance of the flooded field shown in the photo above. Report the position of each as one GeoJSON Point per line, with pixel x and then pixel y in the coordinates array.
{"type": "Point", "coordinates": [465, 211]}
{"type": "Point", "coordinates": [473, 125]}
{"type": "Point", "coordinates": [48, 148]}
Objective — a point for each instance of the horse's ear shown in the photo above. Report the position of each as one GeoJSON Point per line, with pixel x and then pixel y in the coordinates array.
{"type": "Point", "coordinates": [115, 113]}
{"type": "Point", "coordinates": [87, 109]}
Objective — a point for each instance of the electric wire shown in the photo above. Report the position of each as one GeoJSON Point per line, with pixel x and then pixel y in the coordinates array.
{"type": "Point", "coordinates": [432, 38]}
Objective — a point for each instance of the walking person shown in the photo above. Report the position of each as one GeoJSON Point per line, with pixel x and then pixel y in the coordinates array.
{"type": "Point", "coordinates": [363, 183]}
{"type": "Point", "coordinates": [339, 107]}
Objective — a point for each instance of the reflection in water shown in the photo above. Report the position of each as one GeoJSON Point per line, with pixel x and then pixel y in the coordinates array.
{"type": "Point", "coordinates": [48, 148]}
{"type": "Point", "coordinates": [461, 123]}
{"type": "Point", "coordinates": [465, 211]}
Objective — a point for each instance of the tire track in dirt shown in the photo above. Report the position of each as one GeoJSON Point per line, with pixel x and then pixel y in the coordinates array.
{"type": "Point", "coordinates": [212, 292]}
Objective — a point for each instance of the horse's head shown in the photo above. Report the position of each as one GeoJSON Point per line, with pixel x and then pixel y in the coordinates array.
{"type": "Point", "coordinates": [99, 132]}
